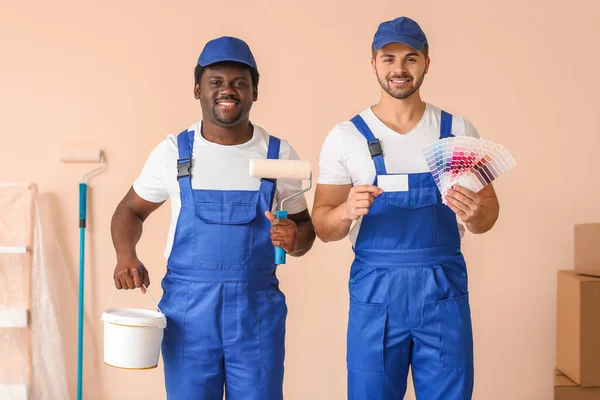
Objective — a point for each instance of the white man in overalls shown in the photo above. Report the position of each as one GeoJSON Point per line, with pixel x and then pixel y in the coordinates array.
{"type": "Point", "coordinates": [408, 284]}
{"type": "Point", "coordinates": [225, 312]}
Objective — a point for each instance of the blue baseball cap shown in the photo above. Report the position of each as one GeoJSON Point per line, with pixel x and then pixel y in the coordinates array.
{"type": "Point", "coordinates": [226, 48]}
{"type": "Point", "coordinates": [400, 30]}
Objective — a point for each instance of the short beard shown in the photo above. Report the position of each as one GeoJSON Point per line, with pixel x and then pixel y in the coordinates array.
{"type": "Point", "coordinates": [229, 121]}
{"type": "Point", "coordinates": [401, 95]}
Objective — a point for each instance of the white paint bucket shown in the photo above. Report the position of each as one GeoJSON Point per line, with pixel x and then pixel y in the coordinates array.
{"type": "Point", "coordinates": [133, 337]}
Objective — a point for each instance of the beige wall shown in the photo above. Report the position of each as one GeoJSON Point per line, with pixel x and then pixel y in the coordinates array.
{"type": "Point", "coordinates": [119, 77]}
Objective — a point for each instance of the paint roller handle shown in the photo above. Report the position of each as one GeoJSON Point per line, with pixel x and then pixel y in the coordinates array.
{"type": "Point", "coordinates": [82, 205]}
{"type": "Point", "coordinates": [280, 254]}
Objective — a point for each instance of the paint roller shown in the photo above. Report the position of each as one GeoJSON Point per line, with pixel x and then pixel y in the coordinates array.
{"type": "Point", "coordinates": [282, 169]}
{"type": "Point", "coordinates": [82, 156]}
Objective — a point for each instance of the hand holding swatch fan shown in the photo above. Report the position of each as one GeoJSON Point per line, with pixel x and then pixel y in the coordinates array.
{"type": "Point", "coordinates": [469, 162]}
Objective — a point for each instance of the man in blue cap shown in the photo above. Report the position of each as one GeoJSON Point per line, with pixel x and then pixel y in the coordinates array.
{"type": "Point", "coordinates": [408, 284]}
{"type": "Point", "coordinates": [225, 312]}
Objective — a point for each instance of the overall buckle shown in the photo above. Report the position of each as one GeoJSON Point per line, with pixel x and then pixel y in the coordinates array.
{"type": "Point", "coordinates": [184, 167]}
{"type": "Point", "coordinates": [375, 148]}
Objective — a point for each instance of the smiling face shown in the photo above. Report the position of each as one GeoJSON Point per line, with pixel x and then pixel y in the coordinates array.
{"type": "Point", "coordinates": [400, 69]}
{"type": "Point", "coordinates": [226, 92]}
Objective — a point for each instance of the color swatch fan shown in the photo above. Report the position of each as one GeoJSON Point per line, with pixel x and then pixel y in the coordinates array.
{"type": "Point", "coordinates": [466, 161]}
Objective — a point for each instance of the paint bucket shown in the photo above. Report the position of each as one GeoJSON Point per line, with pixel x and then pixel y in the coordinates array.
{"type": "Point", "coordinates": [133, 337]}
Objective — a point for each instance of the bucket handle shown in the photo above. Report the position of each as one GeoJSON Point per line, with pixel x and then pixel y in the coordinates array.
{"type": "Point", "coordinates": [147, 291]}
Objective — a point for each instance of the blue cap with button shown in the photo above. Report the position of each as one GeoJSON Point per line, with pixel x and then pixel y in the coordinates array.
{"type": "Point", "coordinates": [226, 48]}
{"type": "Point", "coordinates": [400, 30]}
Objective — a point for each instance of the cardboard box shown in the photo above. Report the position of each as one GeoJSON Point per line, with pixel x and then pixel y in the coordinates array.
{"type": "Point", "coordinates": [587, 249]}
{"type": "Point", "coordinates": [566, 389]}
{"type": "Point", "coordinates": [578, 328]}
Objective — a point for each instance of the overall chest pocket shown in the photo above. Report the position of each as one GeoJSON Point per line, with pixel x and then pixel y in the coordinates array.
{"type": "Point", "coordinates": [410, 218]}
{"type": "Point", "coordinates": [412, 199]}
{"type": "Point", "coordinates": [225, 232]}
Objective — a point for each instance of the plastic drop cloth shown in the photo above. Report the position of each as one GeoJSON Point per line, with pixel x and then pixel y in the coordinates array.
{"type": "Point", "coordinates": [32, 364]}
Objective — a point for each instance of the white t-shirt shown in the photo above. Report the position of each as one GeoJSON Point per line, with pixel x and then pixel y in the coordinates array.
{"type": "Point", "coordinates": [214, 167]}
{"type": "Point", "coordinates": [345, 157]}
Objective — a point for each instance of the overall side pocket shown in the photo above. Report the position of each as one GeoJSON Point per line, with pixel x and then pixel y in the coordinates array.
{"type": "Point", "coordinates": [174, 305]}
{"type": "Point", "coordinates": [455, 330]}
{"type": "Point", "coordinates": [272, 314]}
{"type": "Point", "coordinates": [366, 336]}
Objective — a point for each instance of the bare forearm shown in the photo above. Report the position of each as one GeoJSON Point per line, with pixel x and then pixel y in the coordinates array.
{"type": "Point", "coordinates": [489, 215]}
{"type": "Point", "coordinates": [336, 206]}
{"type": "Point", "coordinates": [305, 237]}
{"type": "Point", "coordinates": [126, 231]}
{"type": "Point", "coordinates": [331, 223]}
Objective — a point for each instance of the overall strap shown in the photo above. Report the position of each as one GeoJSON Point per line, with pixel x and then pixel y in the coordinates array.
{"type": "Point", "coordinates": [267, 185]}
{"type": "Point", "coordinates": [274, 145]}
{"type": "Point", "coordinates": [446, 125]}
{"type": "Point", "coordinates": [374, 144]}
{"type": "Point", "coordinates": [185, 144]}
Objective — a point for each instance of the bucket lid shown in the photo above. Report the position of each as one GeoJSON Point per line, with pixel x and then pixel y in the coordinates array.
{"type": "Point", "coordinates": [134, 317]}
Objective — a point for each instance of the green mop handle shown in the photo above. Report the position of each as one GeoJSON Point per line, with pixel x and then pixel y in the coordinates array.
{"type": "Point", "coordinates": [82, 212]}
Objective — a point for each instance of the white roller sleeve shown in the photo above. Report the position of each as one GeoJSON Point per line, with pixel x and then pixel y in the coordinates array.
{"type": "Point", "coordinates": [13, 317]}
{"type": "Point", "coordinates": [18, 391]}
{"type": "Point", "coordinates": [80, 155]}
{"type": "Point", "coordinates": [280, 169]}
{"type": "Point", "coordinates": [13, 249]}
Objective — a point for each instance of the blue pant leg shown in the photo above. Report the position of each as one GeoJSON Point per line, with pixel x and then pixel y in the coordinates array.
{"type": "Point", "coordinates": [192, 350]}
{"type": "Point", "coordinates": [379, 333]}
{"type": "Point", "coordinates": [442, 360]}
{"type": "Point", "coordinates": [254, 360]}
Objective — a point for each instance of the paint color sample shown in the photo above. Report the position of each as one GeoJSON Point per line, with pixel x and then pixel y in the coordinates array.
{"type": "Point", "coordinates": [466, 161]}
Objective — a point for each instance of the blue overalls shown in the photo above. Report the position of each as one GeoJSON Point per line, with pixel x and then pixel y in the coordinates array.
{"type": "Point", "coordinates": [408, 294]}
{"type": "Point", "coordinates": [225, 312]}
